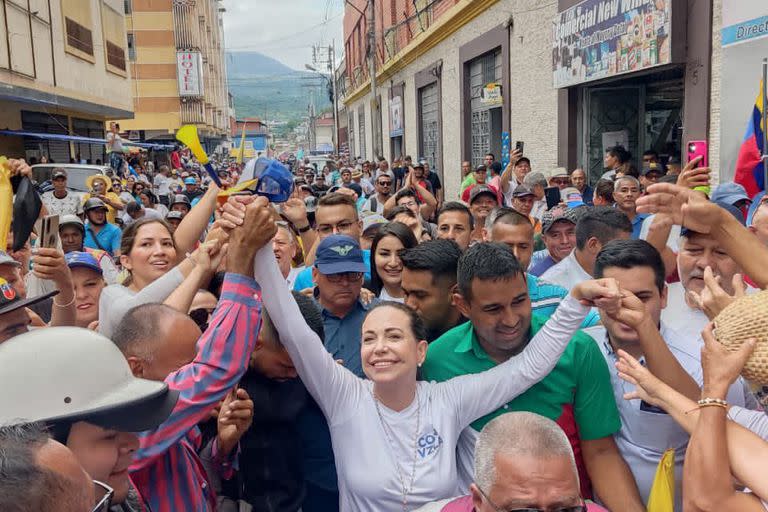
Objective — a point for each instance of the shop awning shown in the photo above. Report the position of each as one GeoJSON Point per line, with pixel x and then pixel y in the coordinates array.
{"type": "Point", "coordinates": [86, 140]}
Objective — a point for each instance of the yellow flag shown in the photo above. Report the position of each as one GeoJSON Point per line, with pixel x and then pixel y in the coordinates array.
{"type": "Point", "coordinates": [242, 145]}
{"type": "Point", "coordinates": [662, 497]}
{"type": "Point", "coordinates": [6, 200]}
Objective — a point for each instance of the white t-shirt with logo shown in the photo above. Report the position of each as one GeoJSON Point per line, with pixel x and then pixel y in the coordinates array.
{"type": "Point", "coordinates": [71, 204]}
{"type": "Point", "coordinates": [647, 431]}
{"type": "Point", "coordinates": [370, 452]}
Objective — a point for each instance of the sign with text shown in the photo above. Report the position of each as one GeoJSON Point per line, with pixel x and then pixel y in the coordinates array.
{"type": "Point", "coordinates": [490, 95]}
{"type": "Point", "coordinates": [603, 38]}
{"type": "Point", "coordinates": [189, 69]}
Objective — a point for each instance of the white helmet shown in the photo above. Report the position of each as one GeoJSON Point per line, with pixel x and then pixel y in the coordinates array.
{"type": "Point", "coordinates": [70, 374]}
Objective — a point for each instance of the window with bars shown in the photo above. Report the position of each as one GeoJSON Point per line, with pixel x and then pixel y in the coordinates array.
{"type": "Point", "coordinates": [79, 37]}
{"type": "Point", "coordinates": [115, 55]}
{"type": "Point", "coordinates": [351, 133]}
{"type": "Point", "coordinates": [131, 46]}
{"type": "Point", "coordinates": [429, 145]}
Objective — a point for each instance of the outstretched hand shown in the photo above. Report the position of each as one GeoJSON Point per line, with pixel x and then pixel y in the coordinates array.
{"type": "Point", "coordinates": [686, 207]}
{"type": "Point", "coordinates": [648, 387]}
{"type": "Point", "coordinates": [631, 310]}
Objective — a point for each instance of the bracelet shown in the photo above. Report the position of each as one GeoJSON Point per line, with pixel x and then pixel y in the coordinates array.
{"type": "Point", "coordinates": [713, 402]}
{"type": "Point", "coordinates": [64, 305]}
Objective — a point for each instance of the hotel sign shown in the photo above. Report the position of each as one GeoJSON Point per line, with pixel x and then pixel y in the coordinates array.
{"type": "Point", "coordinates": [189, 69]}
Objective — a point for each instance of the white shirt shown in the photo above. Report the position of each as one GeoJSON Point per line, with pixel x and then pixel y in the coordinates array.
{"type": "Point", "coordinates": [383, 295]}
{"type": "Point", "coordinates": [162, 184]}
{"type": "Point", "coordinates": [444, 409]}
{"type": "Point", "coordinates": [566, 273]}
{"type": "Point", "coordinates": [513, 183]}
{"type": "Point", "coordinates": [367, 206]}
{"type": "Point", "coordinates": [647, 431]}
{"type": "Point", "coordinates": [687, 320]}
{"type": "Point", "coordinates": [539, 207]}
{"type": "Point", "coordinates": [71, 204]}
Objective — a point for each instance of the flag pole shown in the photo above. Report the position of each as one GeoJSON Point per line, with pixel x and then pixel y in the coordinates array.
{"type": "Point", "coordinates": [764, 92]}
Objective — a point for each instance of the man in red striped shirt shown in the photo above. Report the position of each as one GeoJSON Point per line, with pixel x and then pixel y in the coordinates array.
{"type": "Point", "coordinates": [163, 343]}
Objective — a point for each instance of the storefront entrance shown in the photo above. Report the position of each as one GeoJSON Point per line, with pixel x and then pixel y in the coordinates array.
{"type": "Point", "coordinates": [640, 113]}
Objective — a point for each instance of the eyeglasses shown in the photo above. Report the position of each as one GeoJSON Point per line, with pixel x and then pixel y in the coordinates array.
{"type": "Point", "coordinates": [409, 204]}
{"type": "Point", "coordinates": [201, 316]}
{"type": "Point", "coordinates": [341, 227]}
{"type": "Point", "coordinates": [575, 508]}
{"type": "Point", "coordinates": [350, 277]}
{"type": "Point", "coordinates": [385, 183]}
{"type": "Point", "coordinates": [105, 502]}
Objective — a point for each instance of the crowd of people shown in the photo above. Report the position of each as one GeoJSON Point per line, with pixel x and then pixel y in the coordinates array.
{"type": "Point", "coordinates": [371, 344]}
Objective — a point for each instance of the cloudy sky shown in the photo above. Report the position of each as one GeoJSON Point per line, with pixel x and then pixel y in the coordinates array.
{"type": "Point", "coordinates": [283, 29]}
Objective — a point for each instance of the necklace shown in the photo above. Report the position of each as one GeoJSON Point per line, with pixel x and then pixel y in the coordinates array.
{"type": "Point", "coordinates": [406, 489]}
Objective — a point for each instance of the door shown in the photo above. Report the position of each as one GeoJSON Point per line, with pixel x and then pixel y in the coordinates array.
{"type": "Point", "coordinates": [429, 145]}
{"type": "Point", "coordinates": [611, 110]}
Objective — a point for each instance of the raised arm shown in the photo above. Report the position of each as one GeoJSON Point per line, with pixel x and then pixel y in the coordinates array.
{"type": "Point", "coordinates": [746, 451]}
{"type": "Point", "coordinates": [506, 175]}
{"type": "Point", "coordinates": [225, 347]}
{"type": "Point", "coordinates": [194, 223]}
{"type": "Point", "coordinates": [333, 387]}
{"type": "Point", "coordinates": [481, 393]}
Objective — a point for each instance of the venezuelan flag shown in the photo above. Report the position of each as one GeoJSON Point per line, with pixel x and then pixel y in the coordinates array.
{"type": "Point", "coordinates": [750, 169]}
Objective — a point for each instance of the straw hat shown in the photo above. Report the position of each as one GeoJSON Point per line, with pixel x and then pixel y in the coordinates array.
{"type": "Point", "coordinates": [744, 319]}
{"type": "Point", "coordinates": [90, 179]}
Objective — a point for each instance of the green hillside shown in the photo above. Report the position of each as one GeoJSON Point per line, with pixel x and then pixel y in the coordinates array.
{"type": "Point", "coordinates": [262, 87]}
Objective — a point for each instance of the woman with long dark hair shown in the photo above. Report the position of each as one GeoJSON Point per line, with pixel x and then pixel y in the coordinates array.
{"type": "Point", "coordinates": [386, 265]}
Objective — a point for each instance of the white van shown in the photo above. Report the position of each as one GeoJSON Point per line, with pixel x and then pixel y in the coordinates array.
{"type": "Point", "coordinates": [76, 174]}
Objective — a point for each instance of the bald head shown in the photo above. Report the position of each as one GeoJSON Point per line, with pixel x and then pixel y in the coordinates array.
{"type": "Point", "coordinates": [156, 340]}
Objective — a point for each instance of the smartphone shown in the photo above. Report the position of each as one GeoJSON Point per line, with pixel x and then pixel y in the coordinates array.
{"type": "Point", "coordinates": [698, 148]}
{"type": "Point", "coordinates": [49, 231]}
{"type": "Point", "coordinates": [553, 197]}
{"type": "Point", "coordinates": [519, 146]}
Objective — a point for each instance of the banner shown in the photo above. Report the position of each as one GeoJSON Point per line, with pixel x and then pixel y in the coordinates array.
{"type": "Point", "coordinates": [602, 38]}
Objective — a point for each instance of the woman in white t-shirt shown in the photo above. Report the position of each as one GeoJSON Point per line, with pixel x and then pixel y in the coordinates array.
{"type": "Point", "coordinates": [394, 438]}
{"type": "Point", "coordinates": [386, 265]}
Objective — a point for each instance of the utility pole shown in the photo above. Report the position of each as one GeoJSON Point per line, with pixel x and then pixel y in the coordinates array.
{"type": "Point", "coordinates": [372, 72]}
{"type": "Point", "coordinates": [332, 76]}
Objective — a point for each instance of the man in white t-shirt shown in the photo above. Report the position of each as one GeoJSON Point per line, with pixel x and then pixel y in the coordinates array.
{"type": "Point", "coordinates": [162, 184]}
{"type": "Point", "coordinates": [697, 252]}
{"type": "Point", "coordinates": [595, 227]}
{"type": "Point", "coordinates": [375, 203]}
{"type": "Point", "coordinates": [648, 431]}
{"type": "Point", "coordinates": [61, 201]}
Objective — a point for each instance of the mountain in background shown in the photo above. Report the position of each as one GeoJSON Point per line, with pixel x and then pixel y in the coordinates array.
{"type": "Point", "coordinates": [254, 64]}
{"type": "Point", "coordinates": [266, 88]}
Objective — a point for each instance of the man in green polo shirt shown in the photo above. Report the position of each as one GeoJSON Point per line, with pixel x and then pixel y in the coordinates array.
{"type": "Point", "coordinates": [577, 394]}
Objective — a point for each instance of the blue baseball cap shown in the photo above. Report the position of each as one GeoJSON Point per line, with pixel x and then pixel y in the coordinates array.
{"type": "Point", "coordinates": [82, 260]}
{"type": "Point", "coordinates": [190, 181]}
{"type": "Point", "coordinates": [730, 193]}
{"type": "Point", "coordinates": [725, 206]}
{"type": "Point", "coordinates": [756, 202]}
{"type": "Point", "coordinates": [337, 254]}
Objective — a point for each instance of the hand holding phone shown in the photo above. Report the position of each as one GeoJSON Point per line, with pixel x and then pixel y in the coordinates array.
{"type": "Point", "coordinates": [552, 194]}
{"type": "Point", "coordinates": [520, 146]}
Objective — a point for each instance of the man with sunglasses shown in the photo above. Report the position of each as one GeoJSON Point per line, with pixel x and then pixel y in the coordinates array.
{"type": "Point", "coordinates": [376, 202]}
{"type": "Point", "coordinates": [523, 463]}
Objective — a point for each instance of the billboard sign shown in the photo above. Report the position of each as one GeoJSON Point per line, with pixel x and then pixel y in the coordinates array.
{"type": "Point", "coordinates": [599, 39]}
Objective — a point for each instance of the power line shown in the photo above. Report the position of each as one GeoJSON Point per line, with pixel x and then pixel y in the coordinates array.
{"type": "Point", "coordinates": [289, 36]}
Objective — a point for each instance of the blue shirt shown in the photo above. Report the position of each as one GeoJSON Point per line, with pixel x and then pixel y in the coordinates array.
{"type": "Point", "coordinates": [545, 297]}
{"type": "Point", "coordinates": [540, 262]}
{"type": "Point", "coordinates": [108, 238]}
{"type": "Point", "coordinates": [342, 336]}
{"type": "Point", "coordinates": [304, 279]}
{"type": "Point", "coordinates": [637, 224]}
